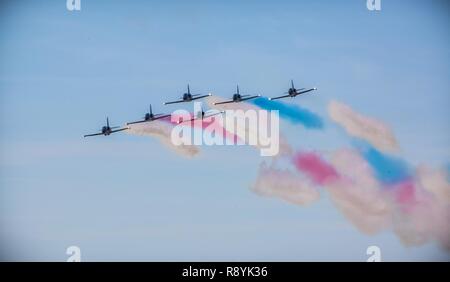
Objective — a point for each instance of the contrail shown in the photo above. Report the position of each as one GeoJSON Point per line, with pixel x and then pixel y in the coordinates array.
{"type": "Point", "coordinates": [351, 186]}
{"type": "Point", "coordinates": [387, 168]}
{"type": "Point", "coordinates": [243, 132]}
{"type": "Point", "coordinates": [424, 209]}
{"type": "Point", "coordinates": [284, 184]}
{"type": "Point", "coordinates": [357, 194]}
{"type": "Point", "coordinates": [416, 208]}
{"type": "Point", "coordinates": [291, 112]}
{"type": "Point", "coordinates": [162, 130]}
{"type": "Point", "coordinates": [315, 167]}
{"type": "Point", "coordinates": [212, 124]}
{"type": "Point", "coordinates": [372, 188]}
{"type": "Point", "coordinates": [436, 182]}
{"type": "Point", "coordinates": [360, 126]}
{"type": "Point", "coordinates": [246, 132]}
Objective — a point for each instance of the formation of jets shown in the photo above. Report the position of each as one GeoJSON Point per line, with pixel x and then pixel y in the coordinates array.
{"type": "Point", "coordinates": [188, 97]}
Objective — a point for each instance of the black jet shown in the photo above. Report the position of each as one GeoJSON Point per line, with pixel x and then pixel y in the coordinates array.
{"type": "Point", "coordinates": [237, 97]}
{"type": "Point", "coordinates": [292, 92]}
{"type": "Point", "coordinates": [150, 116]}
{"type": "Point", "coordinates": [187, 97]}
{"type": "Point", "coordinates": [107, 130]}
{"type": "Point", "coordinates": [202, 115]}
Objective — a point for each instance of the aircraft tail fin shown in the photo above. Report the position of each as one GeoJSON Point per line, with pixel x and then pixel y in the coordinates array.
{"type": "Point", "coordinates": [107, 121]}
{"type": "Point", "coordinates": [292, 83]}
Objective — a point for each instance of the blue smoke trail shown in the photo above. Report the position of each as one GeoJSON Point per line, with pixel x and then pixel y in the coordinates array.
{"type": "Point", "coordinates": [293, 113]}
{"type": "Point", "coordinates": [388, 169]}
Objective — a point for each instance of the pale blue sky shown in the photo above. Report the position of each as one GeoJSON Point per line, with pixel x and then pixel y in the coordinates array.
{"type": "Point", "coordinates": [129, 198]}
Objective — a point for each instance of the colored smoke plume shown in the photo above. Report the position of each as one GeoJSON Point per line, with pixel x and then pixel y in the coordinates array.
{"type": "Point", "coordinates": [360, 126]}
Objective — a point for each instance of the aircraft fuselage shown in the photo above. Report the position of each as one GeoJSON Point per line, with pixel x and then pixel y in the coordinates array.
{"type": "Point", "coordinates": [236, 97]}
{"type": "Point", "coordinates": [106, 130]}
{"type": "Point", "coordinates": [292, 91]}
{"type": "Point", "coordinates": [149, 116]}
{"type": "Point", "coordinates": [187, 97]}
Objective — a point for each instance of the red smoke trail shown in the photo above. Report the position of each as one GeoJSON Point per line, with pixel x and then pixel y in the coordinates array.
{"type": "Point", "coordinates": [210, 124]}
{"type": "Point", "coordinates": [405, 192]}
{"type": "Point", "coordinates": [318, 170]}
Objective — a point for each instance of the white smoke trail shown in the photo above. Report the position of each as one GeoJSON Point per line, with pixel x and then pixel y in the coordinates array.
{"type": "Point", "coordinates": [248, 132]}
{"type": "Point", "coordinates": [428, 216]}
{"type": "Point", "coordinates": [357, 194]}
{"type": "Point", "coordinates": [417, 210]}
{"type": "Point", "coordinates": [368, 204]}
{"type": "Point", "coordinates": [162, 131]}
{"type": "Point", "coordinates": [435, 182]}
{"type": "Point", "coordinates": [372, 207]}
{"type": "Point", "coordinates": [358, 125]}
{"type": "Point", "coordinates": [285, 185]}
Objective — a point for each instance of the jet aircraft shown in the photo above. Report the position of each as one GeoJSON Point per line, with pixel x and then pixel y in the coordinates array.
{"type": "Point", "coordinates": [292, 92]}
{"type": "Point", "coordinates": [150, 116]}
{"type": "Point", "coordinates": [237, 97]}
{"type": "Point", "coordinates": [107, 130]}
{"type": "Point", "coordinates": [202, 115]}
{"type": "Point", "coordinates": [187, 97]}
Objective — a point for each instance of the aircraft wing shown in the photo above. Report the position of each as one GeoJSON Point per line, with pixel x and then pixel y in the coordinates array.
{"type": "Point", "coordinates": [224, 102]}
{"type": "Point", "coordinates": [251, 97]}
{"type": "Point", "coordinates": [125, 128]}
{"type": "Point", "coordinates": [279, 97]}
{"type": "Point", "coordinates": [134, 122]}
{"type": "Point", "coordinates": [189, 120]}
{"type": "Point", "coordinates": [307, 91]}
{"type": "Point", "coordinates": [142, 121]}
{"type": "Point", "coordinates": [161, 116]}
{"type": "Point", "coordinates": [207, 116]}
{"type": "Point", "coordinates": [94, 134]}
{"type": "Point", "coordinates": [174, 102]}
{"type": "Point", "coordinates": [199, 97]}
